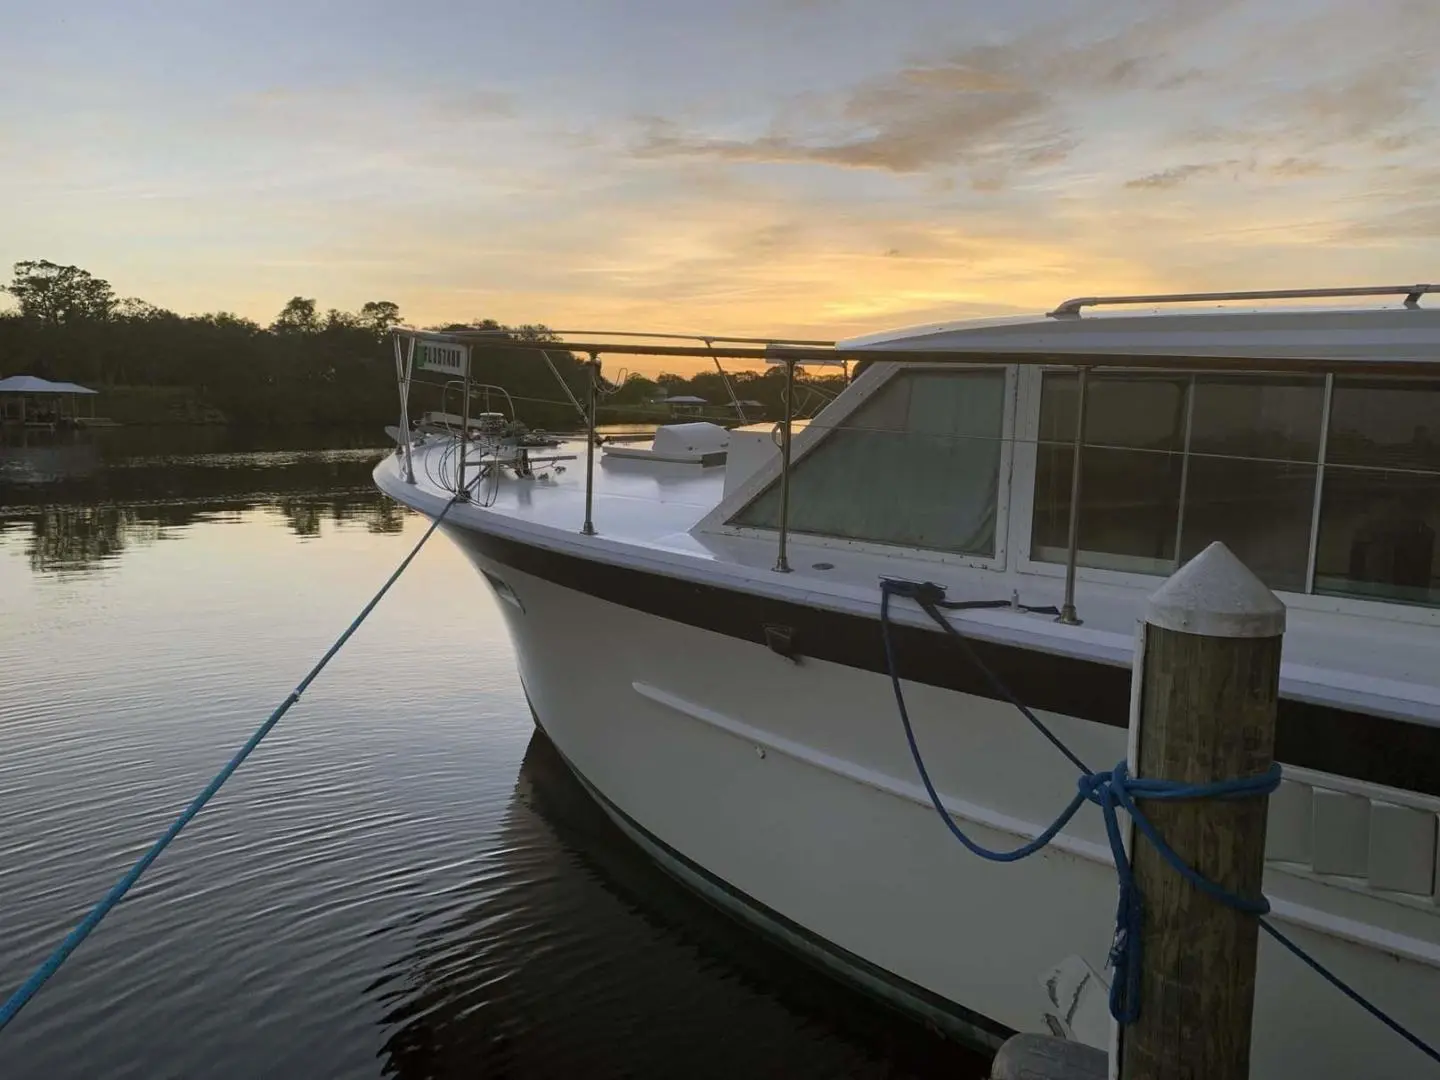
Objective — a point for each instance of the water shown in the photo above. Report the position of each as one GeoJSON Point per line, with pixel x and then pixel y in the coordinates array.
{"type": "Point", "coordinates": [403, 880]}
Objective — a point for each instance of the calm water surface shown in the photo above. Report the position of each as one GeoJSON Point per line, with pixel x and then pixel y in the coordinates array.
{"type": "Point", "coordinates": [403, 880]}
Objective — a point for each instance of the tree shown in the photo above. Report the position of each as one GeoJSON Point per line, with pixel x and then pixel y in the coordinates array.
{"type": "Point", "coordinates": [228, 320]}
{"type": "Point", "coordinates": [380, 316]}
{"type": "Point", "coordinates": [298, 316]}
{"type": "Point", "coordinates": [57, 294]}
{"type": "Point", "coordinates": [635, 390]}
{"type": "Point", "coordinates": [532, 332]}
{"type": "Point", "coordinates": [308, 367]}
{"type": "Point", "coordinates": [710, 385]}
{"type": "Point", "coordinates": [132, 307]}
{"type": "Point", "coordinates": [340, 320]}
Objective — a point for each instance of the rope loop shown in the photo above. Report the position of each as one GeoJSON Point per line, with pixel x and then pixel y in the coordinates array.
{"type": "Point", "coordinates": [1117, 790]}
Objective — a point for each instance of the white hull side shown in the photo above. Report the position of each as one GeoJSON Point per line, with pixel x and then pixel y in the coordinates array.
{"type": "Point", "coordinates": [792, 784]}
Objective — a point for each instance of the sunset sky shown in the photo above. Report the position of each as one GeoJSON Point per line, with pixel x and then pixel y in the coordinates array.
{"type": "Point", "coordinates": [816, 167]}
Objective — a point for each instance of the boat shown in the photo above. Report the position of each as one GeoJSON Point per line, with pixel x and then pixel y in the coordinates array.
{"type": "Point", "coordinates": [703, 644]}
{"type": "Point", "coordinates": [695, 443]}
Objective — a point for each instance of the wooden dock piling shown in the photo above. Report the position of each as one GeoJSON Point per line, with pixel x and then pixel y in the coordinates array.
{"type": "Point", "coordinates": [1207, 682]}
{"type": "Point", "coordinates": [1208, 686]}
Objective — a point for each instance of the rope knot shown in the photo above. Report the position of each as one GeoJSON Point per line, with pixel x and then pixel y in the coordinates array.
{"type": "Point", "coordinates": [1095, 787]}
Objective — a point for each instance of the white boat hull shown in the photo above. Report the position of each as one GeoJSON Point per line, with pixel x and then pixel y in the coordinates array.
{"type": "Point", "coordinates": [786, 791]}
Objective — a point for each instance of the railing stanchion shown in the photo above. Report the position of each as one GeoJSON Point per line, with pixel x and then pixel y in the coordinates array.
{"type": "Point", "coordinates": [1067, 609]}
{"type": "Point", "coordinates": [404, 363]}
{"type": "Point", "coordinates": [782, 561]}
{"type": "Point", "coordinates": [464, 432]}
{"type": "Point", "coordinates": [729, 387]}
{"type": "Point", "coordinates": [589, 527]}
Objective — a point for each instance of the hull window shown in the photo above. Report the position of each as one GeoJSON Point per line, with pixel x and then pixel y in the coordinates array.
{"type": "Point", "coordinates": [1173, 463]}
{"type": "Point", "coordinates": [917, 465]}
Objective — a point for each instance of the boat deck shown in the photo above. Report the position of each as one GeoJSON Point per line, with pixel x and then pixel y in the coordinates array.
{"type": "Point", "coordinates": [643, 512]}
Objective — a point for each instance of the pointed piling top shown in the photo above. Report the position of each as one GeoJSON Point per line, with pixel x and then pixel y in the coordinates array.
{"type": "Point", "coordinates": [1216, 595]}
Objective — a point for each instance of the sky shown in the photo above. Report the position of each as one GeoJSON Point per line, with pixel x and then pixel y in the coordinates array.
{"type": "Point", "coordinates": [807, 167]}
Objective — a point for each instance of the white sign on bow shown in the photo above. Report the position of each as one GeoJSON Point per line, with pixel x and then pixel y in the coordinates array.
{"type": "Point", "coordinates": [442, 356]}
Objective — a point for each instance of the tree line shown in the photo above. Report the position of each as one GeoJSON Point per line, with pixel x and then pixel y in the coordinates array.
{"type": "Point", "coordinates": [311, 368]}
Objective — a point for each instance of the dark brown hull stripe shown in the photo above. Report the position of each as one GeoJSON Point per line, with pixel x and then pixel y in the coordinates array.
{"type": "Point", "coordinates": [1358, 745]}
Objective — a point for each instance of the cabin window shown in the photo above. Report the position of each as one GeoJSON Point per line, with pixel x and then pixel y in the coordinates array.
{"type": "Point", "coordinates": [1250, 472]}
{"type": "Point", "coordinates": [917, 465]}
{"type": "Point", "coordinates": [1130, 486]}
{"type": "Point", "coordinates": [1172, 463]}
{"type": "Point", "coordinates": [1380, 501]}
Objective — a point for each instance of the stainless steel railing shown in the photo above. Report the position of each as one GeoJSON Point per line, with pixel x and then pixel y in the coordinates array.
{"type": "Point", "coordinates": [793, 354]}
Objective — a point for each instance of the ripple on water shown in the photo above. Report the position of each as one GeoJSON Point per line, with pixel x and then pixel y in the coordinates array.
{"type": "Point", "coordinates": [401, 882]}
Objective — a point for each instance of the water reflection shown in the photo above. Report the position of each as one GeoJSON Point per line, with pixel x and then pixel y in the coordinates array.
{"type": "Point", "coordinates": [495, 989]}
{"type": "Point", "coordinates": [76, 537]}
{"type": "Point", "coordinates": [375, 892]}
{"type": "Point", "coordinates": [42, 457]}
{"type": "Point", "coordinates": [86, 497]}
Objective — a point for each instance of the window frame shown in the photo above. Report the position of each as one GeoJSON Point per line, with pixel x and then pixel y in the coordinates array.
{"type": "Point", "coordinates": [717, 521]}
{"type": "Point", "coordinates": [1022, 508]}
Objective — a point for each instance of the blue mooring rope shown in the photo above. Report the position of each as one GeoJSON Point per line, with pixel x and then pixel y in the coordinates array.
{"type": "Point", "coordinates": [1112, 791]}
{"type": "Point", "coordinates": [41, 975]}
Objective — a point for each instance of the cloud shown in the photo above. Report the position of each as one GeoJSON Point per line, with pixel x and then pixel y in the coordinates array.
{"type": "Point", "coordinates": [1289, 168]}
{"type": "Point", "coordinates": [1401, 205]}
{"type": "Point", "coordinates": [1181, 78]}
{"type": "Point", "coordinates": [1296, 167]}
{"type": "Point", "coordinates": [1420, 222]}
{"type": "Point", "coordinates": [989, 107]}
{"type": "Point", "coordinates": [482, 104]}
{"type": "Point", "coordinates": [1361, 105]}
{"type": "Point", "coordinates": [1354, 78]}
{"type": "Point", "coordinates": [1176, 175]}
{"type": "Point", "coordinates": [903, 126]}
